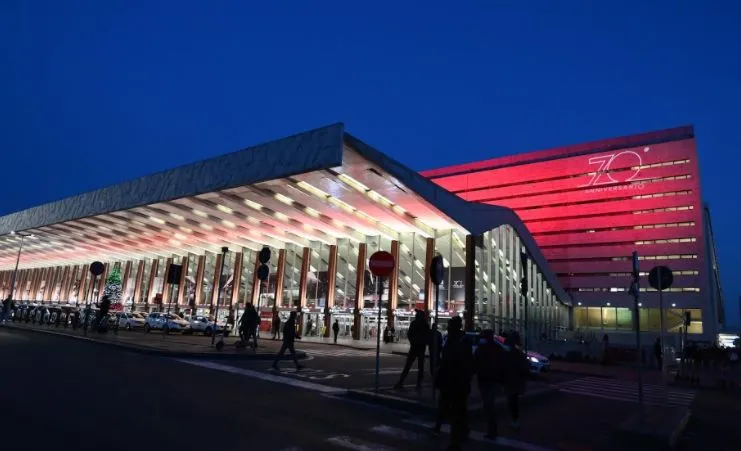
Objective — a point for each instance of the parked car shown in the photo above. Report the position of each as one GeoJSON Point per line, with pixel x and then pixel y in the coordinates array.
{"type": "Point", "coordinates": [130, 321]}
{"type": "Point", "coordinates": [538, 362]}
{"type": "Point", "coordinates": [166, 322]}
{"type": "Point", "coordinates": [206, 326]}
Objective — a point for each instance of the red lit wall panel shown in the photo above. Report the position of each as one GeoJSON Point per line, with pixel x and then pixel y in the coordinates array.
{"type": "Point", "coordinates": [605, 207]}
{"type": "Point", "coordinates": [573, 198]}
{"type": "Point", "coordinates": [602, 222]}
{"type": "Point", "coordinates": [581, 168]}
{"type": "Point", "coordinates": [568, 184]}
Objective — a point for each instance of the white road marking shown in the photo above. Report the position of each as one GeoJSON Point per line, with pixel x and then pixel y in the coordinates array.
{"type": "Point", "coordinates": [264, 376]}
{"type": "Point", "coordinates": [627, 391]}
{"type": "Point", "coordinates": [348, 442]}
{"type": "Point", "coordinates": [401, 434]}
{"type": "Point", "coordinates": [479, 437]}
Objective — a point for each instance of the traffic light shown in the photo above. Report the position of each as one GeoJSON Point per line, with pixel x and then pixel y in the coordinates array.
{"type": "Point", "coordinates": [523, 280]}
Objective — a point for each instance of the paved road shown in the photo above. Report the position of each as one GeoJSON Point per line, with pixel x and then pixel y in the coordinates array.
{"type": "Point", "coordinates": [63, 393]}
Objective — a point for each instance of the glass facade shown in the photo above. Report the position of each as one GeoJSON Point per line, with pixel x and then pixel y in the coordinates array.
{"type": "Point", "coordinates": [492, 301]}
{"type": "Point", "coordinates": [621, 318]}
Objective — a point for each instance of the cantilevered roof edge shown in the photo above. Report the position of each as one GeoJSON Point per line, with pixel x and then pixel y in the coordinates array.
{"type": "Point", "coordinates": [475, 217]}
{"type": "Point", "coordinates": [305, 152]}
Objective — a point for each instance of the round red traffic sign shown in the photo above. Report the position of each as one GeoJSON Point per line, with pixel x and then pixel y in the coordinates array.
{"type": "Point", "coordinates": [381, 263]}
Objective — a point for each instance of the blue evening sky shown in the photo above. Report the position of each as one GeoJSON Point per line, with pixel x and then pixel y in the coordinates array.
{"type": "Point", "coordinates": [97, 92]}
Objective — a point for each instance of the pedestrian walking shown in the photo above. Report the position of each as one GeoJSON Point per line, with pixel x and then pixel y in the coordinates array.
{"type": "Point", "coordinates": [517, 370]}
{"type": "Point", "coordinates": [251, 322]}
{"type": "Point", "coordinates": [419, 337]}
{"type": "Point", "coordinates": [6, 308]}
{"type": "Point", "coordinates": [453, 380]}
{"type": "Point", "coordinates": [336, 330]}
{"type": "Point", "coordinates": [489, 364]}
{"type": "Point", "coordinates": [289, 335]}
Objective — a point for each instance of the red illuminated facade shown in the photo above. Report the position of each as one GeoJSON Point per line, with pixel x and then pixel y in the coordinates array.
{"type": "Point", "coordinates": [590, 206]}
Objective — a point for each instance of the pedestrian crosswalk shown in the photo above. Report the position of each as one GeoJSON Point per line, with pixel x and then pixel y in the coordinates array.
{"type": "Point", "coordinates": [408, 435]}
{"type": "Point", "coordinates": [627, 391]}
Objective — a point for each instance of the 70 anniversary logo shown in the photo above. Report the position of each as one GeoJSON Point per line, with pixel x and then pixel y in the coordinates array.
{"type": "Point", "coordinates": [604, 175]}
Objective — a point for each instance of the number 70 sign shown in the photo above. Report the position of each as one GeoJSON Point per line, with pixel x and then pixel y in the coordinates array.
{"type": "Point", "coordinates": [604, 175]}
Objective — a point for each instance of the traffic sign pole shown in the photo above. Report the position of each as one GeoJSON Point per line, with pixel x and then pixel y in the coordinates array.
{"type": "Point", "coordinates": [378, 333]}
{"type": "Point", "coordinates": [662, 325]}
{"type": "Point", "coordinates": [381, 264]}
{"type": "Point", "coordinates": [636, 291]}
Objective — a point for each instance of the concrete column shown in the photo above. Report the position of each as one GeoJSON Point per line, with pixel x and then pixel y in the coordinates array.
{"type": "Point", "coordinates": [428, 286]}
{"type": "Point", "coordinates": [165, 286]}
{"type": "Point", "coordinates": [138, 283]}
{"type": "Point", "coordinates": [470, 281]}
{"type": "Point", "coordinates": [183, 277]}
{"type": "Point", "coordinates": [215, 281]}
{"type": "Point", "coordinates": [331, 282]}
{"type": "Point", "coordinates": [82, 287]}
{"type": "Point", "coordinates": [302, 287]}
{"type": "Point", "coordinates": [256, 283]}
{"type": "Point", "coordinates": [198, 298]}
{"type": "Point", "coordinates": [360, 285]}
{"type": "Point", "coordinates": [280, 275]}
{"type": "Point", "coordinates": [393, 299]}
{"type": "Point", "coordinates": [236, 279]}
{"type": "Point", "coordinates": [152, 276]}
{"type": "Point", "coordinates": [125, 281]}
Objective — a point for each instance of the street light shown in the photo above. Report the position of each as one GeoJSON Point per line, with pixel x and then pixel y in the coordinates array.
{"type": "Point", "coordinates": [18, 259]}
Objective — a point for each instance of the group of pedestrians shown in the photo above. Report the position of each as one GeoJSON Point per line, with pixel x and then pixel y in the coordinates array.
{"type": "Point", "coordinates": [500, 368]}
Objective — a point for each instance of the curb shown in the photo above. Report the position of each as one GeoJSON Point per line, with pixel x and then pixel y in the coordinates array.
{"type": "Point", "coordinates": [419, 407]}
{"type": "Point", "coordinates": [159, 352]}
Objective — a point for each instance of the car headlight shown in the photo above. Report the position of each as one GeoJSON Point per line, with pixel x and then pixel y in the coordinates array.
{"type": "Point", "coordinates": [533, 359]}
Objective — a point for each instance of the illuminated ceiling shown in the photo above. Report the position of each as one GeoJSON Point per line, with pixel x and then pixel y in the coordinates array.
{"type": "Point", "coordinates": [318, 186]}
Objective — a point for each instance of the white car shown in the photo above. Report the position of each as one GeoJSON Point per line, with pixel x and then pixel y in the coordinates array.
{"type": "Point", "coordinates": [205, 325]}
{"type": "Point", "coordinates": [130, 321]}
{"type": "Point", "coordinates": [166, 322]}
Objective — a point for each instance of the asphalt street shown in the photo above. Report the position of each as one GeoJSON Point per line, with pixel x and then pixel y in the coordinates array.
{"type": "Point", "coordinates": [63, 393]}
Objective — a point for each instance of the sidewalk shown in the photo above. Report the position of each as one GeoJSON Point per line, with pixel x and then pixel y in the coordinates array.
{"type": "Point", "coordinates": [157, 343]}
{"type": "Point", "coordinates": [364, 345]}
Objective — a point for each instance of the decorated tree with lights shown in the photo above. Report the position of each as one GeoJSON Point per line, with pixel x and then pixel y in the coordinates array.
{"type": "Point", "coordinates": [113, 286]}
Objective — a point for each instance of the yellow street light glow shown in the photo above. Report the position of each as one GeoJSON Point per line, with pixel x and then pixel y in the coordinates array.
{"type": "Point", "coordinates": [281, 216]}
{"type": "Point", "coordinates": [380, 199]}
{"type": "Point", "coordinates": [253, 220]}
{"type": "Point", "coordinates": [177, 216]}
{"type": "Point", "coordinates": [253, 205]}
{"type": "Point", "coordinates": [341, 204]}
{"type": "Point", "coordinates": [206, 226]}
{"type": "Point", "coordinates": [224, 208]}
{"type": "Point", "coordinates": [308, 228]}
{"type": "Point", "coordinates": [157, 220]}
{"type": "Point", "coordinates": [229, 224]}
{"type": "Point", "coordinates": [200, 213]}
{"type": "Point", "coordinates": [285, 199]}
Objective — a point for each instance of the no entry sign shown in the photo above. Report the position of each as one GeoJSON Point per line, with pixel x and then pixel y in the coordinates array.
{"type": "Point", "coordinates": [381, 264]}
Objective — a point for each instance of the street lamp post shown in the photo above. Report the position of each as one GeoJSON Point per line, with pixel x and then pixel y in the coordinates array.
{"type": "Point", "coordinates": [17, 261]}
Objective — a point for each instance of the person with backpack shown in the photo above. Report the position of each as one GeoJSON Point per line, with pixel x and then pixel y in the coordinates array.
{"type": "Point", "coordinates": [453, 380]}
{"type": "Point", "coordinates": [419, 337]}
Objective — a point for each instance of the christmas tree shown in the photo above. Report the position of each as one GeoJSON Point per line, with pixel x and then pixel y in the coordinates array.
{"type": "Point", "coordinates": [113, 286]}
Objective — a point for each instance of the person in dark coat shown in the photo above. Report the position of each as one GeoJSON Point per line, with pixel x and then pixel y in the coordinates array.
{"type": "Point", "coordinates": [419, 337]}
{"type": "Point", "coordinates": [436, 349]}
{"type": "Point", "coordinates": [453, 380]}
{"type": "Point", "coordinates": [489, 364]}
{"type": "Point", "coordinates": [251, 322]}
{"type": "Point", "coordinates": [517, 371]}
{"type": "Point", "coordinates": [289, 335]}
{"type": "Point", "coordinates": [336, 330]}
